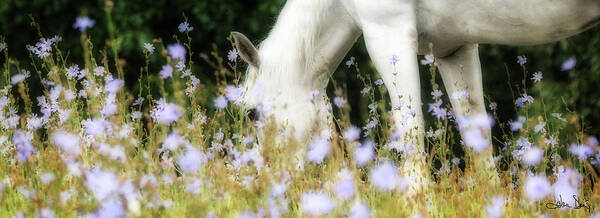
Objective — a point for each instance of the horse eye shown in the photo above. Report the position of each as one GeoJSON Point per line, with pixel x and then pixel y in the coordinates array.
{"type": "Point", "coordinates": [252, 114]}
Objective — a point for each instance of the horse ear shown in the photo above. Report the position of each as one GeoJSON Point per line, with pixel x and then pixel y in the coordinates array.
{"type": "Point", "coordinates": [246, 49]}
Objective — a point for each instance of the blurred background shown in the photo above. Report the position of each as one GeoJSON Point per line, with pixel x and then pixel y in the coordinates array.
{"type": "Point", "coordinates": [137, 22]}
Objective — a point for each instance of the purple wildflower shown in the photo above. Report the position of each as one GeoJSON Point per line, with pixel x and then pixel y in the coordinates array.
{"type": "Point", "coordinates": [316, 203]}
{"type": "Point", "coordinates": [176, 51]}
{"type": "Point", "coordinates": [537, 187]}
{"type": "Point", "coordinates": [521, 60]}
{"type": "Point", "coordinates": [166, 72]}
{"type": "Point", "coordinates": [83, 23]}
{"type": "Point", "coordinates": [569, 64]}
{"type": "Point", "coordinates": [220, 102]}
{"type": "Point", "coordinates": [384, 176]}
{"type": "Point", "coordinates": [394, 60]}
{"type": "Point", "coordinates": [232, 55]}
{"type": "Point", "coordinates": [185, 27]}
{"type": "Point", "coordinates": [318, 150]}
{"type": "Point", "coordinates": [23, 142]}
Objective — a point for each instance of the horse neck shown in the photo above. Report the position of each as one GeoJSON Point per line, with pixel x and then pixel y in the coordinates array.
{"type": "Point", "coordinates": [292, 54]}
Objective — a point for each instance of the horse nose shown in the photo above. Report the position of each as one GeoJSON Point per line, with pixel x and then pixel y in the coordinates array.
{"type": "Point", "coordinates": [252, 114]}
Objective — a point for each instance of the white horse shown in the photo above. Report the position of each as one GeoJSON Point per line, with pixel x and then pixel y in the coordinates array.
{"type": "Point", "coordinates": [311, 38]}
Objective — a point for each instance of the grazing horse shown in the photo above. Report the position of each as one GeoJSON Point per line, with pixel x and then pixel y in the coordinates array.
{"type": "Point", "coordinates": [288, 73]}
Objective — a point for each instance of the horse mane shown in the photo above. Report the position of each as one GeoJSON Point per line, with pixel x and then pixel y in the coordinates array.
{"type": "Point", "coordinates": [291, 48]}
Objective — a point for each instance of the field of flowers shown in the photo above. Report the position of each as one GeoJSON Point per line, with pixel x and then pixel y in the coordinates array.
{"type": "Point", "coordinates": [91, 147]}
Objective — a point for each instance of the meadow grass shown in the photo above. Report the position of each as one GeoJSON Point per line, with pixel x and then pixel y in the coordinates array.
{"type": "Point", "coordinates": [174, 146]}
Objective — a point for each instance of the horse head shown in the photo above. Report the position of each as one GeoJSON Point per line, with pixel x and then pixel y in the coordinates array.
{"type": "Point", "coordinates": [272, 90]}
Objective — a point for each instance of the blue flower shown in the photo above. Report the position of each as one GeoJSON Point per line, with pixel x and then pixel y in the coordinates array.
{"type": "Point", "coordinates": [220, 102]}
{"type": "Point", "coordinates": [185, 27]}
{"type": "Point", "coordinates": [23, 142]}
{"type": "Point", "coordinates": [316, 203]}
{"type": "Point", "coordinates": [569, 64]}
{"type": "Point", "coordinates": [166, 72]}
{"type": "Point", "coordinates": [191, 160]}
{"type": "Point", "coordinates": [364, 153]}
{"type": "Point", "coordinates": [521, 60]}
{"type": "Point", "coordinates": [83, 23]}
{"type": "Point", "coordinates": [176, 51]}
{"type": "Point", "coordinates": [318, 150]}
{"type": "Point", "coordinates": [394, 59]}
{"type": "Point", "coordinates": [232, 55]}
{"type": "Point", "coordinates": [384, 176]}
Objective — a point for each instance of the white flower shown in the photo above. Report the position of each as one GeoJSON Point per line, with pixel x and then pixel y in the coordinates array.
{"type": "Point", "coordinates": [194, 186]}
{"type": "Point", "coordinates": [176, 51]}
{"type": "Point", "coordinates": [339, 101]}
{"type": "Point", "coordinates": [312, 95]}
{"type": "Point", "coordinates": [559, 117]}
{"type": "Point", "coordinates": [520, 102]}
{"type": "Point", "coordinates": [566, 184]}
{"type": "Point", "coordinates": [173, 141]}
{"type": "Point", "coordinates": [316, 203]}
{"type": "Point", "coordinates": [149, 48]}
{"type": "Point", "coordinates": [344, 188]}
{"type": "Point", "coordinates": [232, 55]}
{"type": "Point", "coordinates": [166, 113]}
{"type": "Point", "coordinates": [191, 160]}
{"type": "Point", "coordinates": [359, 210]}
{"type": "Point", "coordinates": [350, 62]}
{"type": "Point", "coordinates": [540, 127]}
{"type": "Point", "coordinates": [252, 155]}
{"type": "Point", "coordinates": [581, 151]}
{"type": "Point", "coordinates": [365, 90]}
{"type": "Point", "coordinates": [474, 129]}
{"type": "Point", "coordinates": [96, 127]}
{"type": "Point", "coordinates": [17, 78]}
{"type": "Point", "coordinates": [136, 115]}
{"type": "Point", "coordinates": [384, 176]}
{"type": "Point", "coordinates": [138, 101]}
{"type": "Point", "coordinates": [102, 183]}
{"type": "Point", "coordinates": [537, 187]}
{"type": "Point", "coordinates": [234, 94]}
{"type": "Point", "coordinates": [493, 106]}
{"type": "Point", "coordinates": [537, 77]}
{"type": "Point", "coordinates": [278, 189]}
{"type": "Point", "coordinates": [364, 154]}
{"type": "Point", "coordinates": [455, 161]}
{"type": "Point", "coordinates": [428, 59]}
{"type": "Point", "coordinates": [113, 86]}
{"type": "Point", "coordinates": [496, 208]}
{"type": "Point", "coordinates": [46, 178]}
{"type": "Point", "coordinates": [460, 94]}
{"type": "Point", "coordinates": [532, 156]}
{"type": "Point", "coordinates": [436, 94]}
{"type": "Point", "coordinates": [99, 71]}
{"type": "Point", "coordinates": [518, 124]}
{"type": "Point", "coordinates": [67, 142]}
{"type": "Point", "coordinates": [352, 134]}
{"type": "Point", "coordinates": [35, 122]}
{"type": "Point", "coordinates": [318, 150]}
{"type": "Point", "coordinates": [220, 102]}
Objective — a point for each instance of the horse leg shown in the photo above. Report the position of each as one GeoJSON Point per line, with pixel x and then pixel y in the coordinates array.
{"type": "Point", "coordinates": [389, 29]}
{"type": "Point", "coordinates": [462, 72]}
